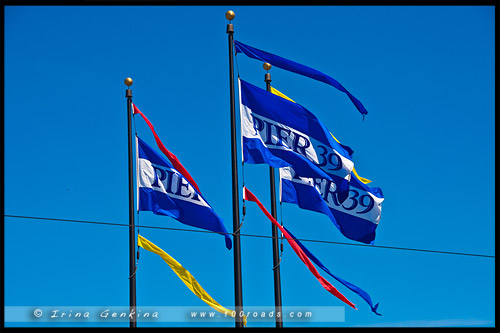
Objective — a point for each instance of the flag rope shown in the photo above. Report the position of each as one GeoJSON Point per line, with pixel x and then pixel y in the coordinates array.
{"type": "Point", "coordinates": [281, 222]}
{"type": "Point", "coordinates": [277, 265]}
{"type": "Point", "coordinates": [236, 60]}
{"type": "Point", "coordinates": [135, 270]}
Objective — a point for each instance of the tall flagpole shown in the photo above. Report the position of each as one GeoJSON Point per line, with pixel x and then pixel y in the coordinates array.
{"type": "Point", "coordinates": [276, 263]}
{"type": "Point", "coordinates": [131, 227]}
{"type": "Point", "coordinates": [238, 294]}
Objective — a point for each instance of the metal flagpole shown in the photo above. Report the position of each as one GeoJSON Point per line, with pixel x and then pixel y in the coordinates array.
{"type": "Point", "coordinates": [238, 295]}
{"type": "Point", "coordinates": [131, 228]}
{"type": "Point", "coordinates": [276, 263]}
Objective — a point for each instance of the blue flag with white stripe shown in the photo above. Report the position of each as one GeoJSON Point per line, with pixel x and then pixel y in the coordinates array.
{"type": "Point", "coordinates": [282, 133]}
{"type": "Point", "coordinates": [356, 218]}
{"type": "Point", "coordinates": [164, 191]}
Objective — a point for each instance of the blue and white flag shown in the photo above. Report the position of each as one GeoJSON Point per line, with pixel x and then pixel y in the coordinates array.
{"type": "Point", "coordinates": [356, 218]}
{"type": "Point", "coordinates": [282, 133]}
{"type": "Point", "coordinates": [164, 191]}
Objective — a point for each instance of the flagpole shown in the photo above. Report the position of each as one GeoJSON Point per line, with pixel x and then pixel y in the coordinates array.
{"type": "Point", "coordinates": [276, 262]}
{"type": "Point", "coordinates": [131, 228]}
{"type": "Point", "coordinates": [238, 294]}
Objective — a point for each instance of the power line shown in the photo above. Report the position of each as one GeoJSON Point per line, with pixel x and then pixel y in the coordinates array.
{"type": "Point", "coordinates": [256, 236]}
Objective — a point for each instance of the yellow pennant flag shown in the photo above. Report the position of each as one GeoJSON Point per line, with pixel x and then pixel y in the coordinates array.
{"type": "Point", "coordinates": [361, 179]}
{"type": "Point", "coordinates": [280, 94]}
{"type": "Point", "coordinates": [186, 277]}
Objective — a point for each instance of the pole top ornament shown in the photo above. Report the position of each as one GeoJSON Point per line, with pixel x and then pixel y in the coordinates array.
{"type": "Point", "coordinates": [230, 15]}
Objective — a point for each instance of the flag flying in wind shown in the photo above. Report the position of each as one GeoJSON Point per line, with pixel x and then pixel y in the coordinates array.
{"type": "Point", "coordinates": [171, 157]}
{"type": "Point", "coordinates": [282, 133]}
{"type": "Point", "coordinates": [347, 148]}
{"type": "Point", "coordinates": [349, 285]}
{"type": "Point", "coordinates": [186, 277]}
{"type": "Point", "coordinates": [280, 94]}
{"type": "Point", "coordinates": [356, 218]}
{"type": "Point", "coordinates": [165, 191]}
{"type": "Point", "coordinates": [295, 67]}
{"type": "Point", "coordinates": [247, 195]}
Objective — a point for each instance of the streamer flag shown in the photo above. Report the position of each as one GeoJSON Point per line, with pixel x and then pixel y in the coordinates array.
{"type": "Point", "coordinates": [186, 277]}
{"type": "Point", "coordinates": [282, 133]}
{"type": "Point", "coordinates": [165, 191]}
{"type": "Point", "coordinates": [171, 157]}
{"type": "Point", "coordinates": [327, 285]}
{"type": "Point", "coordinates": [295, 67]}
{"type": "Point", "coordinates": [349, 285]}
{"type": "Point", "coordinates": [356, 218]}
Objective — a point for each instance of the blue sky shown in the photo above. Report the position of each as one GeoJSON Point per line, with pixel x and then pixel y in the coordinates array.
{"type": "Point", "coordinates": [425, 75]}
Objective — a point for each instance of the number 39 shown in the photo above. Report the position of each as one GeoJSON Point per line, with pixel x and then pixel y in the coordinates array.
{"type": "Point", "coordinates": [361, 202]}
{"type": "Point", "coordinates": [327, 158]}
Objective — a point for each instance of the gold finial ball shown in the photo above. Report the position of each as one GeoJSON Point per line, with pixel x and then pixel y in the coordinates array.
{"type": "Point", "coordinates": [230, 15]}
{"type": "Point", "coordinates": [128, 81]}
{"type": "Point", "coordinates": [267, 66]}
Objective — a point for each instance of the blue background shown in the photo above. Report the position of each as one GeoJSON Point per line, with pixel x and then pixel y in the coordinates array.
{"type": "Point", "coordinates": [425, 75]}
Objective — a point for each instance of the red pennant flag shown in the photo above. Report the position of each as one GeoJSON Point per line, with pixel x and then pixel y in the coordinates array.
{"type": "Point", "coordinates": [247, 195]}
{"type": "Point", "coordinates": [172, 158]}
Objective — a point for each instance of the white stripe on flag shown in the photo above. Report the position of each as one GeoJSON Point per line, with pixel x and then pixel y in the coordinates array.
{"type": "Point", "coordinates": [355, 205]}
{"type": "Point", "coordinates": [179, 188]}
{"type": "Point", "coordinates": [293, 137]}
